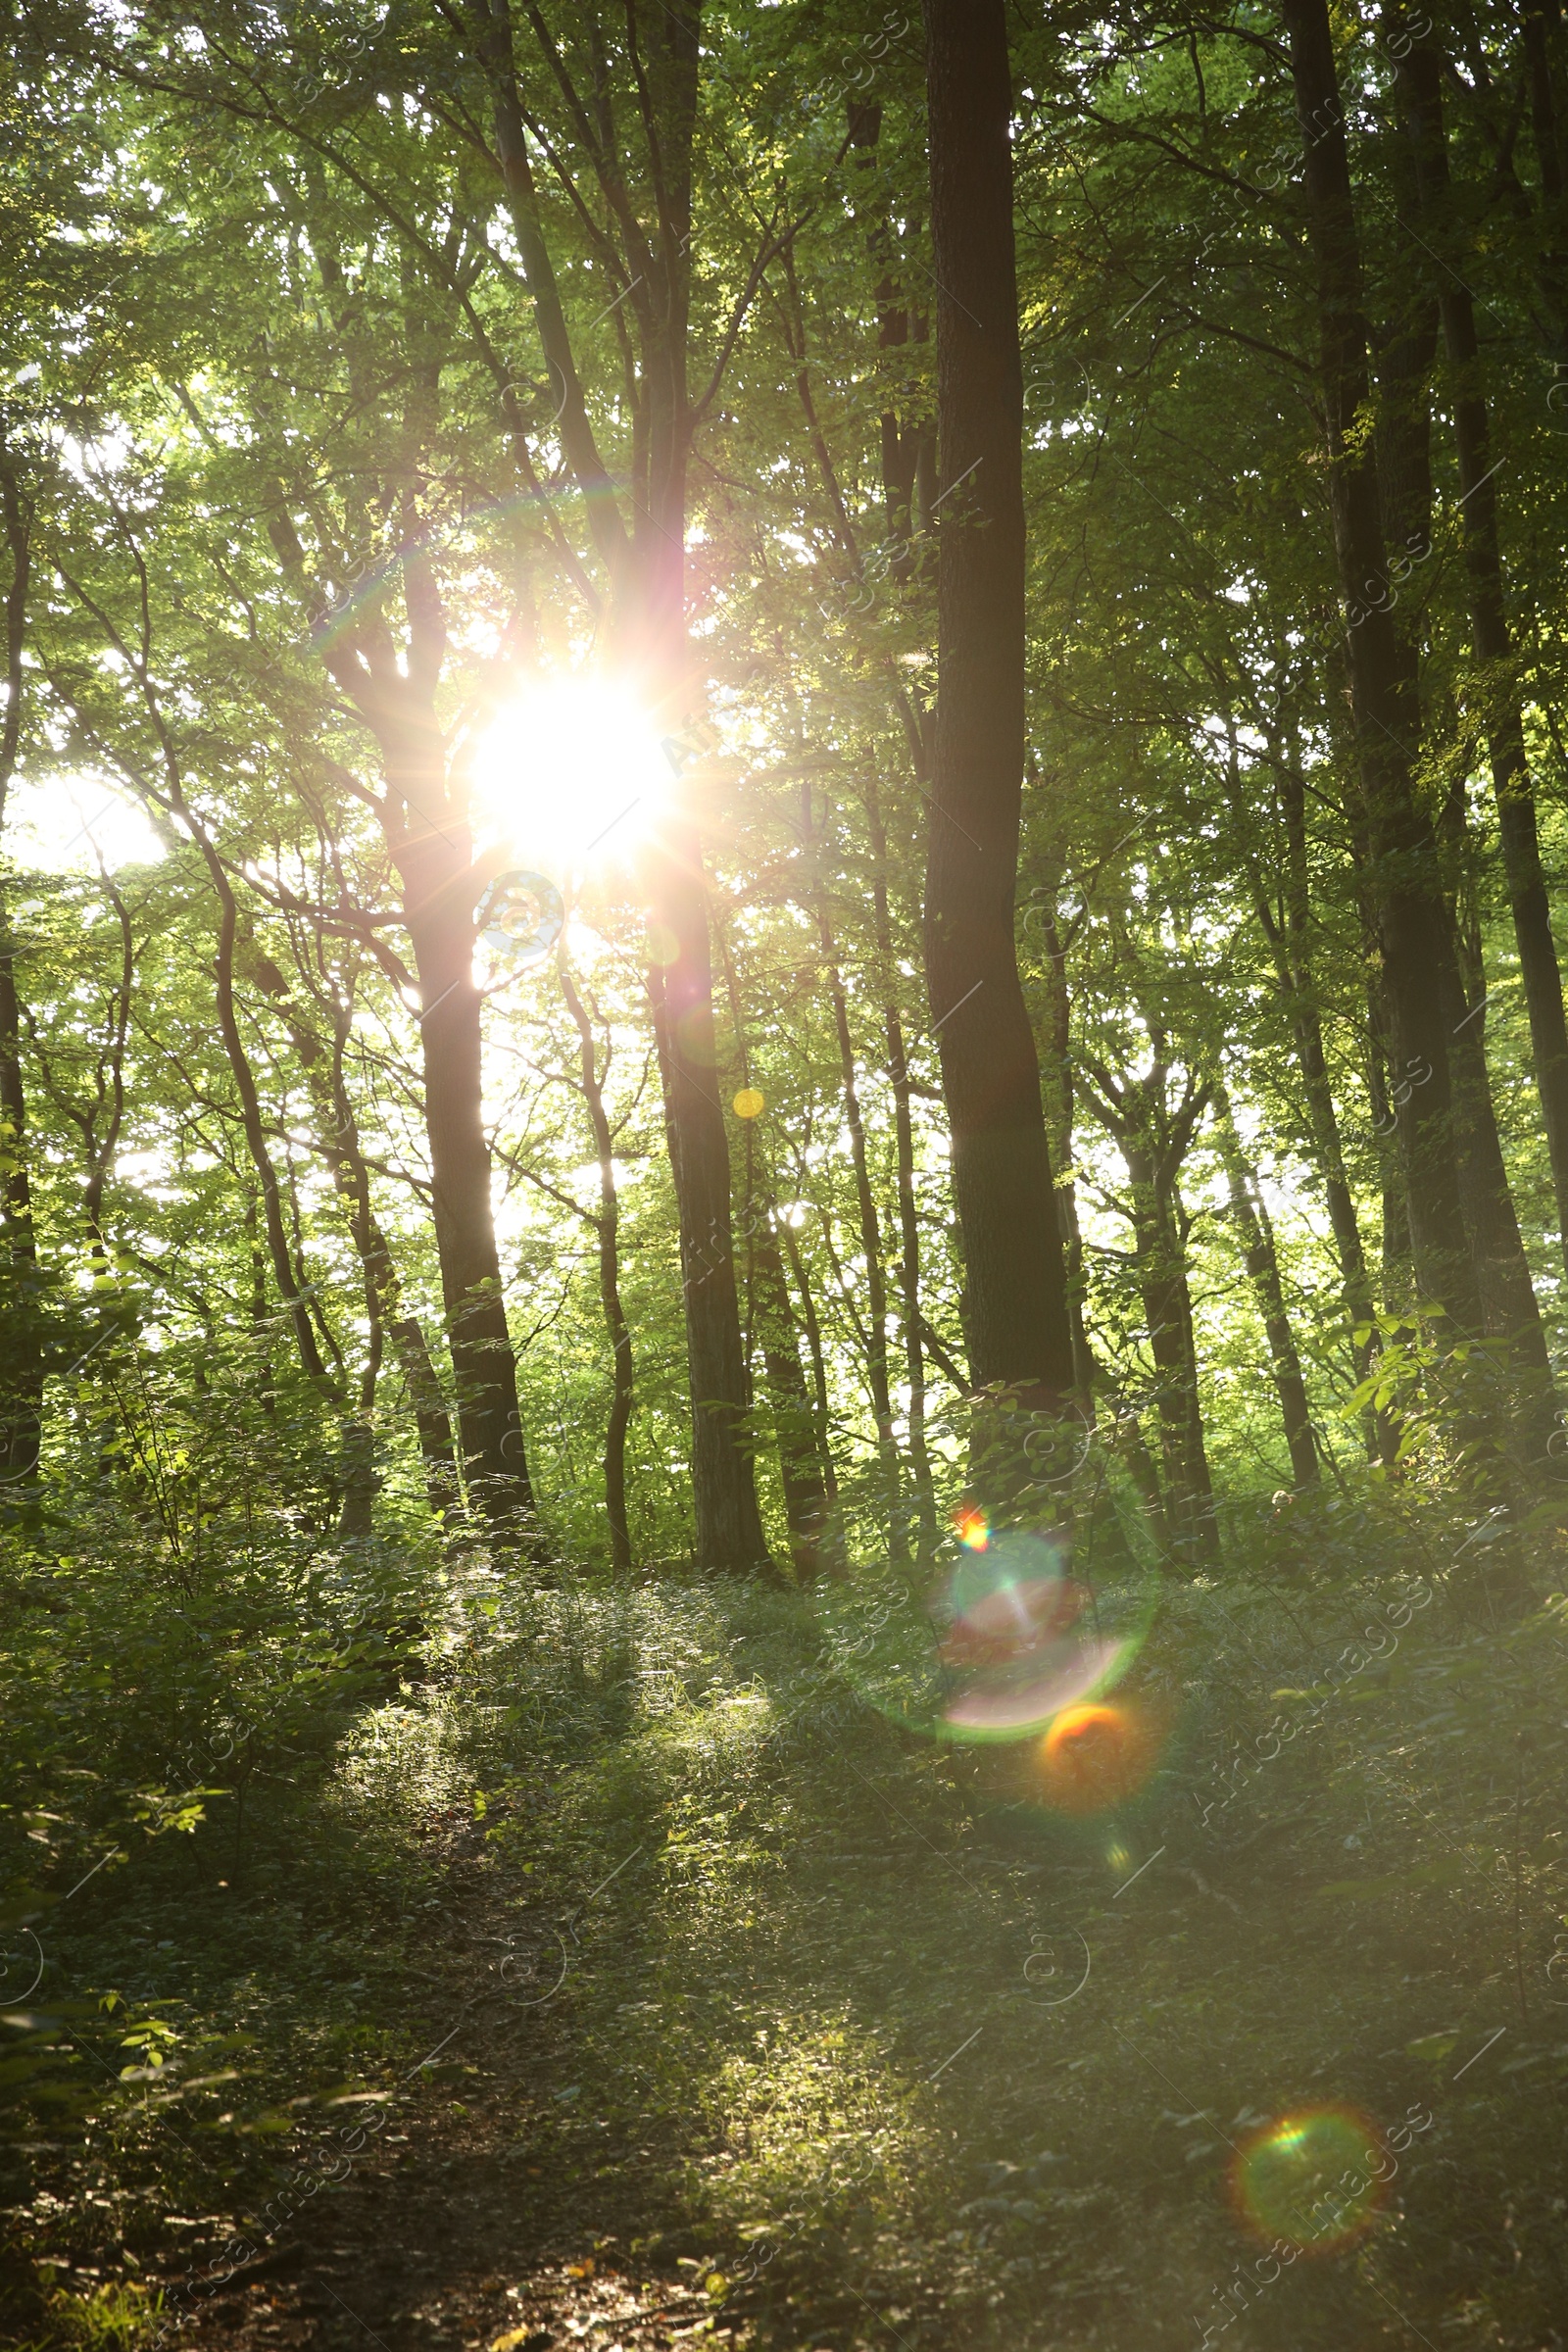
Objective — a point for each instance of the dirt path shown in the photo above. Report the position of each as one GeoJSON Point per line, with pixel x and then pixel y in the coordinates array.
{"type": "Point", "coordinates": [482, 2221]}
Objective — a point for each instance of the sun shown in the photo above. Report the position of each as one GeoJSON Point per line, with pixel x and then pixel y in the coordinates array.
{"type": "Point", "coordinates": [571, 774]}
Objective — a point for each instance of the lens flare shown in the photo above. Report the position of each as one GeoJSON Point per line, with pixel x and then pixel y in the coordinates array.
{"type": "Point", "coordinates": [1094, 1757]}
{"type": "Point", "coordinates": [1014, 1649]}
{"type": "Point", "coordinates": [1006, 1641]}
{"type": "Point", "coordinates": [1314, 2178]}
{"type": "Point", "coordinates": [749, 1104]}
{"type": "Point", "coordinates": [520, 918]}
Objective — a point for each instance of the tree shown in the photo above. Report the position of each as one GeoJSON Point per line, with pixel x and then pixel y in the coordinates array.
{"type": "Point", "coordinates": [1014, 1280]}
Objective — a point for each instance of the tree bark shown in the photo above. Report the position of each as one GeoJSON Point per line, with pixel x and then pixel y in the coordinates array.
{"type": "Point", "coordinates": [870, 1224]}
{"type": "Point", "coordinates": [607, 1228]}
{"type": "Point", "coordinates": [430, 1415]}
{"type": "Point", "coordinates": [1418, 76]}
{"type": "Point", "coordinates": [424, 821]}
{"type": "Point", "coordinates": [806, 1471]}
{"type": "Point", "coordinates": [326, 1082]}
{"type": "Point", "coordinates": [1058, 1097]}
{"type": "Point", "coordinates": [1257, 1236]}
{"type": "Point", "coordinates": [1154, 1140]}
{"type": "Point", "coordinates": [439, 890]}
{"type": "Point", "coordinates": [729, 1527]}
{"type": "Point", "coordinates": [907, 1272]}
{"type": "Point", "coordinates": [22, 1378]}
{"type": "Point", "coordinates": [1414, 932]}
{"type": "Point", "coordinates": [646, 634]}
{"type": "Point", "coordinates": [1016, 1319]}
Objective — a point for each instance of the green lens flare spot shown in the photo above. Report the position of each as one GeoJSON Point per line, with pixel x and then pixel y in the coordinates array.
{"type": "Point", "coordinates": [1314, 2178]}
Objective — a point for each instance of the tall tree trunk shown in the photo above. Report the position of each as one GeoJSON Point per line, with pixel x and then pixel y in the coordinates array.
{"type": "Point", "coordinates": [1058, 1099]}
{"type": "Point", "coordinates": [870, 1224]}
{"type": "Point", "coordinates": [439, 893]}
{"type": "Point", "coordinates": [607, 1227]}
{"type": "Point", "coordinates": [1415, 937]}
{"type": "Point", "coordinates": [801, 1430]}
{"type": "Point", "coordinates": [645, 633]}
{"type": "Point", "coordinates": [424, 821]}
{"type": "Point", "coordinates": [1161, 1266]}
{"type": "Point", "coordinates": [1544, 46]}
{"type": "Point", "coordinates": [326, 1082]}
{"type": "Point", "coordinates": [908, 453]}
{"type": "Point", "coordinates": [811, 1325]}
{"type": "Point", "coordinates": [908, 1270]}
{"type": "Point", "coordinates": [649, 630]}
{"type": "Point", "coordinates": [290, 1287]}
{"type": "Point", "coordinates": [1154, 1140]}
{"type": "Point", "coordinates": [430, 1416]}
{"type": "Point", "coordinates": [1257, 1236]}
{"type": "Point", "coordinates": [23, 1378]}
{"type": "Point", "coordinates": [729, 1527]}
{"type": "Point", "coordinates": [1507, 1301]}
{"type": "Point", "coordinates": [1016, 1320]}
{"type": "Point", "coordinates": [1418, 76]}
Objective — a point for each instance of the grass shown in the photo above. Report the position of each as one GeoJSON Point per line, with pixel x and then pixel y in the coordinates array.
{"type": "Point", "coordinates": [853, 2025]}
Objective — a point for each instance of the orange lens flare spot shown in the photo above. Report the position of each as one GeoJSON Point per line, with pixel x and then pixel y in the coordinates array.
{"type": "Point", "coordinates": [1093, 1757]}
{"type": "Point", "coordinates": [749, 1104]}
{"type": "Point", "coordinates": [971, 1528]}
{"type": "Point", "coordinates": [1314, 2178]}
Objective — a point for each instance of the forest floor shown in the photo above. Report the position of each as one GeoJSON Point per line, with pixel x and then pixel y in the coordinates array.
{"type": "Point", "coordinates": [630, 1982]}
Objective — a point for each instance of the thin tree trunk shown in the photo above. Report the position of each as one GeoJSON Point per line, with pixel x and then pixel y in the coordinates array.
{"type": "Point", "coordinates": [907, 1269]}
{"type": "Point", "coordinates": [1160, 1265]}
{"type": "Point", "coordinates": [870, 1224]}
{"type": "Point", "coordinates": [805, 1467]}
{"type": "Point", "coordinates": [1288, 928]}
{"type": "Point", "coordinates": [22, 1378]}
{"type": "Point", "coordinates": [812, 1324]}
{"type": "Point", "coordinates": [606, 1226]}
{"type": "Point", "coordinates": [1322, 1115]}
{"type": "Point", "coordinates": [797, 1423]}
{"type": "Point", "coordinates": [438, 892]}
{"type": "Point", "coordinates": [908, 448]}
{"type": "Point", "coordinates": [326, 1082]}
{"type": "Point", "coordinates": [434, 1425]}
{"type": "Point", "coordinates": [1154, 1142]}
{"type": "Point", "coordinates": [1256, 1237]}
{"type": "Point", "coordinates": [1016, 1320]}
{"type": "Point", "coordinates": [290, 1290]}
{"type": "Point", "coordinates": [1058, 1099]}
